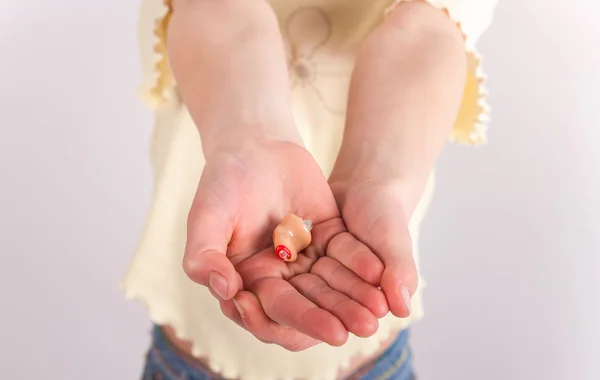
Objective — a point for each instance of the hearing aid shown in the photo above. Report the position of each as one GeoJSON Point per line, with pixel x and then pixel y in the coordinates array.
{"type": "Point", "coordinates": [292, 236]}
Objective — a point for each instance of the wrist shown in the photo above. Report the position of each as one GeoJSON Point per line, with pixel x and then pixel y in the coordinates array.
{"type": "Point", "coordinates": [407, 182]}
{"type": "Point", "coordinates": [248, 137]}
{"type": "Point", "coordinates": [229, 63]}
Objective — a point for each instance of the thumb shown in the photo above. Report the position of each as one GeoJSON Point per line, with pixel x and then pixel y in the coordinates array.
{"type": "Point", "coordinates": [205, 260]}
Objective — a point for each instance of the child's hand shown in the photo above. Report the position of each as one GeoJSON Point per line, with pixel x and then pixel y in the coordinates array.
{"type": "Point", "coordinates": [374, 214]}
{"type": "Point", "coordinates": [402, 104]}
{"type": "Point", "coordinates": [243, 194]}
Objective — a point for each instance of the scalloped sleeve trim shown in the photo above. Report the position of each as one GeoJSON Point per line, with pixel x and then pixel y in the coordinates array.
{"type": "Point", "coordinates": [158, 83]}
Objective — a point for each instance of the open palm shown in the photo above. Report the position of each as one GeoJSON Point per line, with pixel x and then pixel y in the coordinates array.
{"type": "Point", "coordinates": [243, 194]}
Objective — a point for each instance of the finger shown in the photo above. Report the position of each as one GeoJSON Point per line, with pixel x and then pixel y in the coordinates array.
{"type": "Point", "coordinates": [342, 279]}
{"type": "Point", "coordinates": [205, 261]}
{"type": "Point", "coordinates": [245, 309]}
{"type": "Point", "coordinates": [357, 257]}
{"type": "Point", "coordinates": [283, 304]}
{"type": "Point", "coordinates": [355, 317]}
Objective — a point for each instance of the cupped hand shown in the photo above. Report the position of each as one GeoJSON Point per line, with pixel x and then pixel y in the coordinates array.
{"type": "Point", "coordinates": [243, 193]}
{"type": "Point", "coordinates": [374, 212]}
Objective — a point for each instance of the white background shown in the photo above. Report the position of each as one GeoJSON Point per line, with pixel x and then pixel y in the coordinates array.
{"type": "Point", "coordinates": [511, 248]}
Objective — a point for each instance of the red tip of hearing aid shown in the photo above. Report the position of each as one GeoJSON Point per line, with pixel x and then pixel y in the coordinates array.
{"type": "Point", "coordinates": [283, 252]}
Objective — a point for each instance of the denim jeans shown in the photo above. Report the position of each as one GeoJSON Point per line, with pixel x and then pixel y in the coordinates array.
{"type": "Point", "coordinates": [164, 363]}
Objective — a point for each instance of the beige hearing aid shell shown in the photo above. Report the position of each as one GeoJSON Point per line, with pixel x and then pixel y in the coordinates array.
{"type": "Point", "coordinates": [291, 236]}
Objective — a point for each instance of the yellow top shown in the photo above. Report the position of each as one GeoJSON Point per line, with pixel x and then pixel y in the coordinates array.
{"type": "Point", "coordinates": [321, 38]}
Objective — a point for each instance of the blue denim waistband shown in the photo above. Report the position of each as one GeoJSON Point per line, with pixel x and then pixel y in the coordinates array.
{"type": "Point", "coordinates": [164, 362]}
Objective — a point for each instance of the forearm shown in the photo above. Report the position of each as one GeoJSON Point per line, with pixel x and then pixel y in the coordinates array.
{"type": "Point", "coordinates": [229, 63]}
{"type": "Point", "coordinates": [404, 97]}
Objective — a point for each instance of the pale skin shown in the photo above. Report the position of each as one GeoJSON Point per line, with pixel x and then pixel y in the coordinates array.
{"type": "Point", "coordinates": [228, 59]}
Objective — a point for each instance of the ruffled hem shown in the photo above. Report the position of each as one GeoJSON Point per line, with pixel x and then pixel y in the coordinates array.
{"type": "Point", "coordinates": [162, 314]}
{"type": "Point", "coordinates": [473, 118]}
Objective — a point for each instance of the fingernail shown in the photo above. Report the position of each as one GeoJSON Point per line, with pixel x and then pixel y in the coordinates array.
{"type": "Point", "coordinates": [218, 284]}
{"type": "Point", "coordinates": [239, 308]}
{"type": "Point", "coordinates": [405, 297]}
